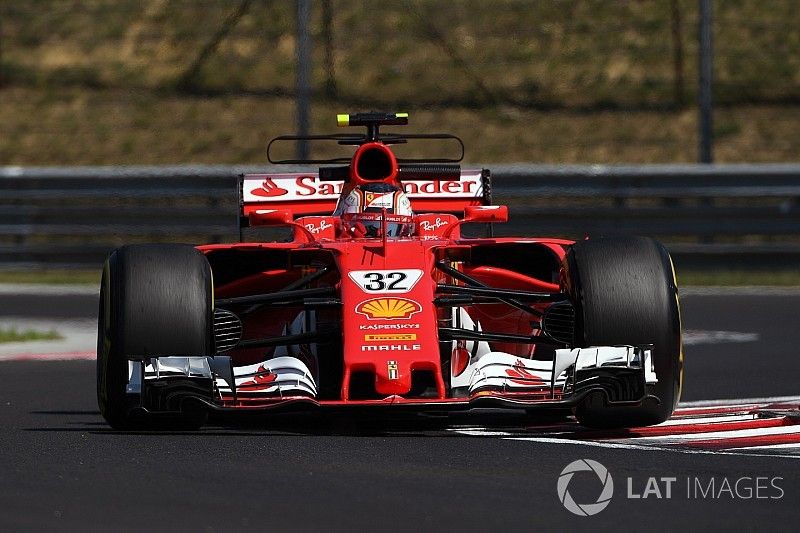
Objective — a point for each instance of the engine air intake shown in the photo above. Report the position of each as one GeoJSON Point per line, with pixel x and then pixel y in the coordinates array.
{"type": "Point", "coordinates": [374, 165]}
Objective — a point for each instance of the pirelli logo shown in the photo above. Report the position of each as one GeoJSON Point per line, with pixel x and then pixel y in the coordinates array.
{"type": "Point", "coordinates": [378, 337]}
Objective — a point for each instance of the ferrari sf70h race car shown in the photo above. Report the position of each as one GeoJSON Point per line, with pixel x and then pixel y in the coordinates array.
{"type": "Point", "coordinates": [380, 301]}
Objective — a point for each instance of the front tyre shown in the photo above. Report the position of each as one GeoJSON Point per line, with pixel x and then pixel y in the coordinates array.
{"type": "Point", "coordinates": [155, 300]}
{"type": "Point", "coordinates": [625, 293]}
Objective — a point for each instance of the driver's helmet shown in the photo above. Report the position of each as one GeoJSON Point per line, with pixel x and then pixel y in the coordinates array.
{"type": "Point", "coordinates": [363, 208]}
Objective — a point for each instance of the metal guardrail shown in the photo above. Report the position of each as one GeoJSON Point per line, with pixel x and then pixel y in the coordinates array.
{"type": "Point", "coordinates": [72, 217]}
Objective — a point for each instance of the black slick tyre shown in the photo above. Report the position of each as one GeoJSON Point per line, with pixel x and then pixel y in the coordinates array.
{"type": "Point", "coordinates": [624, 292]}
{"type": "Point", "coordinates": [155, 300]}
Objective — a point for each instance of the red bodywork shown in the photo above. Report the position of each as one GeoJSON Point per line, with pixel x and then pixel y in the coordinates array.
{"type": "Point", "coordinates": [386, 340]}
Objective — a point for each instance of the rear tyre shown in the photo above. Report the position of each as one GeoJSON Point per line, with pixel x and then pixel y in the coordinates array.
{"type": "Point", "coordinates": [624, 292]}
{"type": "Point", "coordinates": [155, 300]}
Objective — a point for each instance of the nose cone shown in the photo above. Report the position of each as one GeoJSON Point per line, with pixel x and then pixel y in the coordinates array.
{"type": "Point", "coordinates": [390, 322]}
{"type": "Point", "coordinates": [393, 378]}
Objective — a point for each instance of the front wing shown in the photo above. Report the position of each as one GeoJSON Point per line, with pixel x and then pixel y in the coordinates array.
{"type": "Point", "coordinates": [620, 374]}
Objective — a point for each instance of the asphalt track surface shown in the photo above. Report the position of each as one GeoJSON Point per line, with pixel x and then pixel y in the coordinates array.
{"type": "Point", "coordinates": [62, 468]}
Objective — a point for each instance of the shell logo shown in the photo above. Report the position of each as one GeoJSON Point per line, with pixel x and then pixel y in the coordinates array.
{"type": "Point", "coordinates": [383, 308]}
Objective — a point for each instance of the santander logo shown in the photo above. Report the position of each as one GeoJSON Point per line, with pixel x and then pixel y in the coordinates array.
{"type": "Point", "coordinates": [269, 189]}
{"type": "Point", "coordinates": [291, 187]}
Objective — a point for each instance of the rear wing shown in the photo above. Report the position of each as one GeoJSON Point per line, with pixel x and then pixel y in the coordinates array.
{"type": "Point", "coordinates": [306, 194]}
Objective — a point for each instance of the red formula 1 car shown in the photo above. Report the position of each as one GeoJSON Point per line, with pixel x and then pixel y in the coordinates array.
{"type": "Point", "coordinates": [378, 301]}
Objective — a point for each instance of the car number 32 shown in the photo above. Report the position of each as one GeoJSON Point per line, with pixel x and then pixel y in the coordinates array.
{"type": "Point", "coordinates": [392, 281]}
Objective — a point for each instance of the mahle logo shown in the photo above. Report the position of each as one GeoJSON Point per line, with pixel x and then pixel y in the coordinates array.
{"type": "Point", "coordinates": [585, 509]}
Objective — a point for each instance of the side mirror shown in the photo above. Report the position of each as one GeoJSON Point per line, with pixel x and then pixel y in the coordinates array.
{"type": "Point", "coordinates": [278, 217]}
{"type": "Point", "coordinates": [270, 217]}
{"type": "Point", "coordinates": [486, 213]}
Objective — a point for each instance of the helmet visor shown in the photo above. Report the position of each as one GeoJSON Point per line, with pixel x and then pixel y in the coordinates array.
{"type": "Point", "coordinates": [372, 224]}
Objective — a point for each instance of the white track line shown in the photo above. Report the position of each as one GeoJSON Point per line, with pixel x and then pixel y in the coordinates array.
{"type": "Point", "coordinates": [717, 435]}
{"type": "Point", "coordinates": [734, 402]}
{"type": "Point", "coordinates": [657, 443]}
{"type": "Point", "coordinates": [694, 337]}
{"type": "Point", "coordinates": [706, 420]}
{"type": "Point", "coordinates": [480, 432]}
{"type": "Point", "coordinates": [785, 446]}
{"type": "Point", "coordinates": [621, 446]}
{"type": "Point", "coordinates": [58, 356]}
{"type": "Point", "coordinates": [36, 289]}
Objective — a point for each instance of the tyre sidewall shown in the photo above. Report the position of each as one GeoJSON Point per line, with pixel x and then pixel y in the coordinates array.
{"type": "Point", "coordinates": [155, 300]}
{"type": "Point", "coordinates": [624, 291]}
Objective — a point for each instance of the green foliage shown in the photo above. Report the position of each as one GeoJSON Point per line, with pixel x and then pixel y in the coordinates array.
{"type": "Point", "coordinates": [100, 81]}
{"type": "Point", "coordinates": [14, 335]}
{"type": "Point", "coordinates": [576, 53]}
{"type": "Point", "coordinates": [741, 277]}
{"type": "Point", "coordinates": [51, 277]}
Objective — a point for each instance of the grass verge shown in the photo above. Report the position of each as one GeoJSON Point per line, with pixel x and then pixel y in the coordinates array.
{"type": "Point", "coordinates": [739, 278]}
{"type": "Point", "coordinates": [52, 277]}
{"type": "Point", "coordinates": [14, 335]}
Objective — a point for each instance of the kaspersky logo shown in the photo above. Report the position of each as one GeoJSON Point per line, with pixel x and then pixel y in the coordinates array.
{"type": "Point", "coordinates": [384, 308]}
